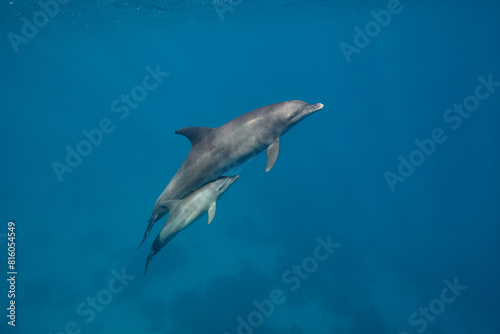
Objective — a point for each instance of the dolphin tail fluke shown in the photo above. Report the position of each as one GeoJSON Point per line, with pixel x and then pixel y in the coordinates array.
{"type": "Point", "coordinates": [148, 261]}
{"type": "Point", "coordinates": [148, 229]}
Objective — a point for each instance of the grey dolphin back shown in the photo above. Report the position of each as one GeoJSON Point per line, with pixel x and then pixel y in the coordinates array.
{"type": "Point", "coordinates": [215, 151]}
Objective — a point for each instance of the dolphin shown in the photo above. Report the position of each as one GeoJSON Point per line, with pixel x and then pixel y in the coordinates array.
{"type": "Point", "coordinates": [215, 151]}
{"type": "Point", "coordinates": [187, 210]}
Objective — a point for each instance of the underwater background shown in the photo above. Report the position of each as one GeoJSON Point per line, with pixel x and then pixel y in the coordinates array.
{"type": "Point", "coordinates": [381, 214]}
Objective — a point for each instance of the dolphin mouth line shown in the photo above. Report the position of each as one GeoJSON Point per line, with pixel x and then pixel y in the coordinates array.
{"type": "Point", "coordinates": [229, 182]}
{"type": "Point", "coordinates": [306, 111]}
{"type": "Point", "coordinates": [310, 108]}
{"type": "Point", "coordinates": [248, 131]}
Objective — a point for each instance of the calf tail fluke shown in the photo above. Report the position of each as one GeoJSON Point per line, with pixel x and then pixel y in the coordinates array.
{"type": "Point", "coordinates": [148, 260]}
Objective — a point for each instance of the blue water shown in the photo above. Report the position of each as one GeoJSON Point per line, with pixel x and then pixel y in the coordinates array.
{"type": "Point", "coordinates": [402, 185]}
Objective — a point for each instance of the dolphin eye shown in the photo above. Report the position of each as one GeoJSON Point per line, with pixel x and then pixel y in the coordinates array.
{"type": "Point", "coordinates": [292, 116]}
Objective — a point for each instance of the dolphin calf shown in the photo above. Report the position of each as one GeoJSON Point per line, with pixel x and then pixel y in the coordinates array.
{"type": "Point", "coordinates": [215, 151]}
{"type": "Point", "coordinates": [187, 210]}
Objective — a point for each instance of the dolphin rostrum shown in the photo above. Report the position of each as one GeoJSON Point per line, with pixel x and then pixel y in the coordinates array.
{"type": "Point", "coordinates": [187, 210]}
{"type": "Point", "coordinates": [215, 151]}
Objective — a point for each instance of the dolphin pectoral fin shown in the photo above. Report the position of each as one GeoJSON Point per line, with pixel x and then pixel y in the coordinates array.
{"type": "Point", "coordinates": [194, 134]}
{"type": "Point", "coordinates": [211, 212]}
{"type": "Point", "coordinates": [272, 154]}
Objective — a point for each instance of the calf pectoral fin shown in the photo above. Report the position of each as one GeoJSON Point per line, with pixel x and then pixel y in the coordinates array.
{"type": "Point", "coordinates": [272, 154]}
{"type": "Point", "coordinates": [211, 212]}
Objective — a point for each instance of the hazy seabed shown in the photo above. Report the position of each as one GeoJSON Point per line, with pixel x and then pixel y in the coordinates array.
{"type": "Point", "coordinates": [380, 216]}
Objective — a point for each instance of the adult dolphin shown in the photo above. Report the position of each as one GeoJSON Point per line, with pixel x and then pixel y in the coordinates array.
{"type": "Point", "coordinates": [215, 151]}
{"type": "Point", "coordinates": [187, 210]}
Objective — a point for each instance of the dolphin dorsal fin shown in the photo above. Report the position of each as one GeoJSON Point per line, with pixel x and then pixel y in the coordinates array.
{"type": "Point", "coordinates": [194, 134]}
{"type": "Point", "coordinates": [171, 204]}
{"type": "Point", "coordinates": [211, 212]}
